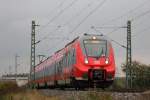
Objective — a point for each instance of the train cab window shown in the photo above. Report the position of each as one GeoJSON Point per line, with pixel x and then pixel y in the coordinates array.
{"type": "Point", "coordinates": [95, 48]}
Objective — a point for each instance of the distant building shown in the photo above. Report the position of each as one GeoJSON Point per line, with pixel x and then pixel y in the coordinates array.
{"type": "Point", "coordinates": [21, 79]}
{"type": "Point", "coordinates": [23, 76]}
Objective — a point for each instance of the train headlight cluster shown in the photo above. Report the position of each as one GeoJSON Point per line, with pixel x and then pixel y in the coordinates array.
{"type": "Point", "coordinates": [106, 61]}
{"type": "Point", "coordinates": [93, 37]}
{"type": "Point", "coordinates": [86, 61]}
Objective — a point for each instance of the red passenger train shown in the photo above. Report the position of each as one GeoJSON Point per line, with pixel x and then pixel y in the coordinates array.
{"type": "Point", "coordinates": [84, 62]}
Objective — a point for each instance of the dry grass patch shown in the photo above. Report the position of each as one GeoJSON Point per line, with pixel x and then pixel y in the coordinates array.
{"type": "Point", "coordinates": [27, 95]}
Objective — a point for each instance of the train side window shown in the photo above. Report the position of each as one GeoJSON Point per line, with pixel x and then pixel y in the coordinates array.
{"type": "Point", "coordinates": [47, 70]}
{"type": "Point", "coordinates": [69, 58]}
{"type": "Point", "coordinates": [35, 75]}
{"type": "Point", "coordinates": [55, 65]}
{"type": "Point", "coordinates": [74, 56]}
{"type": "Point", "coordinates": [41, 73]}
{"type": "Point", "coordinates": [38, 74]}
{"type": "Point", "coordinates": [44, 71]}
{"type": "Point", "coordinates": [59, 67]}
{"type": "Point", "coordinates": [51, 69]}
{"type": "Point", "coordinates": [64, 60]}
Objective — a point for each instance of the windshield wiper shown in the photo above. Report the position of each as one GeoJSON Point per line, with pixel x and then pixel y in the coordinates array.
{"type": "Point", "coordinates": [102, 52]}
{"type": "Point", "coordinates": [85, 50]}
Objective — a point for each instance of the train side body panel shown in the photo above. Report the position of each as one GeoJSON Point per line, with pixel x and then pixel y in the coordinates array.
{"type": "Point", "coordinates": [72, 64]}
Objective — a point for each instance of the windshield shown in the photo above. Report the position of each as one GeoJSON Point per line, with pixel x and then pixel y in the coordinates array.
{"type": "Point", "coordinates": [95, 48]}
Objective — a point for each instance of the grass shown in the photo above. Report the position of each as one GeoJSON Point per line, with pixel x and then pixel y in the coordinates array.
{"type": "Point", "coordinates": [35, 95]}
{"type": "Point", "coordinates": [6, 85]}
{"type": "Point", "coordinates": [98, 96]}
{"type": "Point", "coordinates": [10, 91]}
{"type": "Point", "coordinates": [26, 95]}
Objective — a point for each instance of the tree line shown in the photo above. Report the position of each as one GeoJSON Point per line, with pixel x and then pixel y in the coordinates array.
{"type": "Point", "coordinates": [140, 74]}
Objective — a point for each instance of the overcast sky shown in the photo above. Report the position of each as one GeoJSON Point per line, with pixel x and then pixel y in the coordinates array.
{"type": "Point", "coordinates": [61, 19]}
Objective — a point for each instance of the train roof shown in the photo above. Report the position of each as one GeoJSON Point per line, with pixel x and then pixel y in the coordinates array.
{"type": "Point", "coordinates": [72, 41]}
{"type": "Point", "coordinates": [85, 36]}
{"type": "Point", "coordinates": [97, 36]}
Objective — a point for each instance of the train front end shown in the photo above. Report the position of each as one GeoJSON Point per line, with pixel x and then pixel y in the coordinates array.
{"type": "Point", "coordinates": [95, 62]}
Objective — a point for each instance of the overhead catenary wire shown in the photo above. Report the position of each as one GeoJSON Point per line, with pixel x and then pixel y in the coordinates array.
{"type": "Point", "coordinates": [110, 32]}
{"type": "Point", "coordinates": [142, 22]}
{"type": "Point", "coordinates": [101, 3]}
{"type": "Point", "coordinates": [140, 15]}
{"type": "Point", "coordinates": [141, 5]}
{"type": "Point", "coordinates": [57, 15]}
{"type": "Point", "coordinates": [109, 27]}
{"type": "Point", "coordinates": [64, 38]}
{"type": "Point", "coordinates": [139, 33]}
{"type": "Point", "coordinates": [111, 39]}
{"type": "Point", "coordinates": [58, 43]}
{"type": "Point", "coordinates": [57, 7]}
{"type": "Point", "coordinates": [126, 13]}
{"type": "Point", "coordinates": [117, 43]}
{"type": "Point", "coordinates": [59, 26]}
{"type": "Point", "coordinates": [46, 36]}
{"type": "Point", "coordinates": [95, 9]}
{"type": "Point", "coordinates": [114, 30]}
{"type": "Point", "coordinates": [117, 18]}
{"type": "Point", "coordinates": [79, 13]}
{"type": "Point", "coordinates": [89, 14]}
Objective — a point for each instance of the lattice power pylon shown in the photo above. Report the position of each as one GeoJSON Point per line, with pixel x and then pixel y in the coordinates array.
{"type": "Point", "coordinates": [129, 57]}
{"type": "Point", "coordinates": [32, 59]}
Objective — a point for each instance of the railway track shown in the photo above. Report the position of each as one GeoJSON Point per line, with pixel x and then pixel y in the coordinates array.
{"type": "Point", "coordinates": [125, 94]}
{"type": "Point", "coordinates": [94, 90]}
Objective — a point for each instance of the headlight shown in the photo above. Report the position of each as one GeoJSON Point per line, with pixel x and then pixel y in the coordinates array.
{"type": "Point", "coordinates": [106, 61]}
{"type": "Point", "coordinates": [86, 61]}
{"type": "Point", "coordinates": [93, 37]}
